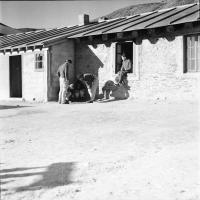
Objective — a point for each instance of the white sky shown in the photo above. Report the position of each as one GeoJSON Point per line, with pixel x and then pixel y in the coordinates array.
{"type": "Point", "coordinates": [51, 14]}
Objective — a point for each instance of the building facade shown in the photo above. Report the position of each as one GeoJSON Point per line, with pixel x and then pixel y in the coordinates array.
{"type": "Point", "coordinates": [165, 58]}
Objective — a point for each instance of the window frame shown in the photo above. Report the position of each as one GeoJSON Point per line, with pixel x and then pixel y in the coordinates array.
{"type": "Point", "coordinates": [116, 53]}
{"type": "Point", "coordinates": [36, 62]}
{"type": "Point", "coordinates": [185, 55]}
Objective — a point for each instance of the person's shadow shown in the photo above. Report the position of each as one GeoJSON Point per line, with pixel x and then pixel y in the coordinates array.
{"type": "Point", "coordinates": [4, 107]}
{"type": "Point", "coordinates": [57, 174]}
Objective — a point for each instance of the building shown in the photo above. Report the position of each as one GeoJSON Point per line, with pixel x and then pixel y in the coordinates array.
{"type": "Point", "coordinates": [163, 45]}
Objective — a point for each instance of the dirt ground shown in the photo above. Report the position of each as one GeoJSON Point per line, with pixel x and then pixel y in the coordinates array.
{"type": "Point", "coordinates": [117, 150]}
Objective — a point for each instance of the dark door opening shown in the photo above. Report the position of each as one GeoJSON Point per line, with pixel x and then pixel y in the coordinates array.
{"type": "Point", "coordinates": [15, 76]}
{"type": "Point", "coordinates": [123, 47]}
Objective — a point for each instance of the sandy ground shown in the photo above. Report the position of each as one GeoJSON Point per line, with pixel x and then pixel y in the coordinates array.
{"type": "Point", "coordinates": [116, 150]}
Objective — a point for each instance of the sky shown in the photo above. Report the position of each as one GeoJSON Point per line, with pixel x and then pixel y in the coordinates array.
{"type": "Point", "coordinates": [52, 14]}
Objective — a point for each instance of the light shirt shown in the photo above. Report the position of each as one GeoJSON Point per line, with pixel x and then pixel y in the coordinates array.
{"type": "Point", "coordinates": [126, 65]}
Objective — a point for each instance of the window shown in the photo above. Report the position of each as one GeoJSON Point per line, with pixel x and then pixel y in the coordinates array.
{"type": "Point", "coordinates": [39, 57]}
{"type": "Point", "coordinates": [192, 53]}
{"type": "Point", "coordinates": [124, 47]}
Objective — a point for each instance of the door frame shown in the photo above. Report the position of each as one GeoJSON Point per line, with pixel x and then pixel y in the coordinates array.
{"type": "Point", "coordinates": [19, 77]}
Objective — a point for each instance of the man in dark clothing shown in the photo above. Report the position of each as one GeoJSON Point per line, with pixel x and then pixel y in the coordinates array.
{"type": "Point", "coordinates": [91, 82]}
{"type": "Point", "coordinates": [125, 68]}
{"type": "Point", "coordinates": [78, 91]}
{"type": "Point", "coordinates": [63, 74]}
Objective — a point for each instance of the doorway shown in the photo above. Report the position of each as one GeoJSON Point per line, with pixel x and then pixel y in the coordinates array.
{"type": "Point", "coordinates": [123, 47]}
{"type": "Point", "coordinates": [15, 76]}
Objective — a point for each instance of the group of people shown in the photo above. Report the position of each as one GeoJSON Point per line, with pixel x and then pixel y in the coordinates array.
{"type": "Point", "coordinates": [86, 84]}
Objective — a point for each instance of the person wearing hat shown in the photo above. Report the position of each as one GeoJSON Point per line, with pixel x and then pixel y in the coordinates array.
{"type": "Point", "coordinates": [63, 74]}
{"type": "Point", "coordinates": [125, 68]}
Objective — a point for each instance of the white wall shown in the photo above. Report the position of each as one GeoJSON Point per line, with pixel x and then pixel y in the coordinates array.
{"type": "Point", "coordinates": [4, 77]}
{"type": "Point", "coordinates": [34, 83]}
{"type": "Point", "coordinates": [159, 69]}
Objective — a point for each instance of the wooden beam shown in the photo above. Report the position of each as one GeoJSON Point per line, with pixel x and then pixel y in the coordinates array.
{"type": "Point", "coordinates": [170, 38]}
{"type": "Point", "coordinates": [8, 51]}
{"type": "Point", "coordinates": [16, 50]}
{"type": "Point", "coordinates": [104, 37]}
{"type": "Point", "coordinates": [2, 52]}
{"type": "Point", "coordinates": [170, 29]}
{"type": "Point", "coordinates": [94, 45]}
{"type": "Point", "coordinates": [134, 34]}
{"type": "Point", "coordinates": [32, 48]}
{"type": "Point", "coordinates": [38, 47]}
{"type": "Point", "coordinates": [188, 25]}
{"type": "Point", "coordinates": [90, 38]}
{"type": "Point", "coordinates": [151, 32]}
{"type": "Point", "coordinates": [153, 40]}
{"type": "Point", "coordinates": [120, 35]}
{"type": "Point", "coordinates": [179, 30]}
{"type": "Point", "coordinates": [138, 41]}
{"type": "Point", "coordinates": [22, 49]}
{"type": "Point", "coordinates": [108, 44]}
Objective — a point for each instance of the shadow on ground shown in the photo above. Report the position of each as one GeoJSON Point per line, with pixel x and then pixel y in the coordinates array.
{"type": "Point", "coordinates": [4, 107]}
{"type": "Point", "coordinates": [57, 174]}
{"type": "Point", "coordinates": [110, 100]}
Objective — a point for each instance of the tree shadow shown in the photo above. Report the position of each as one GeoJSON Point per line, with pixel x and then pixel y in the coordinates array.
{"type": "Point", "coordinates": [57, 174]}
{"type": "Point", "coordinates": [4, 107]}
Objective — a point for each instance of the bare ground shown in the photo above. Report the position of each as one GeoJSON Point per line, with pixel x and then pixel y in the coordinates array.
{"type": "Point", "coordinates": [117, 150]}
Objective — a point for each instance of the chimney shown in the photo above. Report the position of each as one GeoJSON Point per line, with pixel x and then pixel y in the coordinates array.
{"type": "Point", "coordinates": [83, 19]}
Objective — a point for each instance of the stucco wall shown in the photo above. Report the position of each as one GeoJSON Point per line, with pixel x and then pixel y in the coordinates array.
{"type": "Point", "coordinates": [4, 77]}
{"type": "Point", "coordinates": [159, 73]}
{"type": "Point", "coordinates": [57, 55]}
{"type": "Point", "coordinates": [98, 60]}
{"type": "Point", "coordinates": [34, 82]}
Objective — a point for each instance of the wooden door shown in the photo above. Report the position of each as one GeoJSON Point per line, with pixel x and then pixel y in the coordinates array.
{"type": "Point", "coordinates": [15, 76]}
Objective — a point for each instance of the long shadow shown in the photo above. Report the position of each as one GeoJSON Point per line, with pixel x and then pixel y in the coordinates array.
{"type": "Point", "coordinates": [57, 174]}
{"type": "Point", "coordinates": [110, 100]}
{"type": "Point", "coordinates": [4, 107]}
{"type": "Point", "coordinates": [17, 169]}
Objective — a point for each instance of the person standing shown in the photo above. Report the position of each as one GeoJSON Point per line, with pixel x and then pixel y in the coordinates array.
{"type": "Point", "coordinates": [63, 74]}
{"type": "Point", "coordinates": [91, 82]}
{"type": "Point", "coordinates": [125, 68]}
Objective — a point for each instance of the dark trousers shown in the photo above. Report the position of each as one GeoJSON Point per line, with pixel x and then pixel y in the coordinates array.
{"type": "Point", "coordinates": [122, 76]}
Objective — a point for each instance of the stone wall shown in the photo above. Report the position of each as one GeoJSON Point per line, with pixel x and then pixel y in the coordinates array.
{"type": "Point", "coordinates": [161, 72]}
{"type": "Point", "coordinates": [58, 53]}
{"type": "Point", "coordinates": [4, 77]}
{"type": "Point", "coordinates": [159, 69]}
{"type": "Point", "coordinates": [34, 82]}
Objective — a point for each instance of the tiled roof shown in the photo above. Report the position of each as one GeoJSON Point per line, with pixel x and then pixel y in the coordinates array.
{"type": "Point", "coordinates": [161, 18]}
